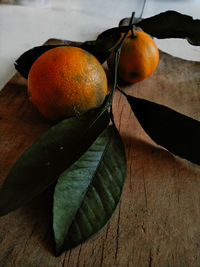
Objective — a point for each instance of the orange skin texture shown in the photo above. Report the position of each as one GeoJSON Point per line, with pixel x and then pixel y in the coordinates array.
{"type": "Point", "coordinates": [139, 58]}
{"type": "Point", "coordinates": [66, 81]}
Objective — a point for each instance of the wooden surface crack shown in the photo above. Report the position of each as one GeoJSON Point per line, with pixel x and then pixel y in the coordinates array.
{"type": "Point", "coordinates": [150, 258]}
{"type": "Point", "coordinates": [118, 225]}
{"type": "Point", "coordinates": [145, 191]}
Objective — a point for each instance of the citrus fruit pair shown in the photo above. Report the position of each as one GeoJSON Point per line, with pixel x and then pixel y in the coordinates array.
{"type": "Point", "coordinates": [67, 81]}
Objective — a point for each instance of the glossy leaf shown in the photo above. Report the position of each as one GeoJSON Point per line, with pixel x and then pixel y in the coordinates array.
{"type": "Point", "coordinates": [49, 156]}
{"type": "Point", "coordinates": [24, 62]}
{"type": "Point", "coordinates": [171, 24]}
{"type": "Point", "coordinates": [99, 52]}
{"type": "Point", "coordinates": [88, 192]}
{"type": "Point", "coordinates": [111, 36]}
{"type": "Point", "coordinates": [168, 128]}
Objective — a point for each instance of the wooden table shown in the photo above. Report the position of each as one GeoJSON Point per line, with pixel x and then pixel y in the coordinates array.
{"type": "Point", "coordinates": [157, 222]}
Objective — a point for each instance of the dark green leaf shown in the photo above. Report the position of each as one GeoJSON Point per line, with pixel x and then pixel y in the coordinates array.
{"type": "Point", "coordinates": [172, 24]}
{"type": "Point", "coordinates": [49, 156]}
{"type": "Point", "coordinates": [24, 62]}
{"type": "Point", "coordinates": [101, 48]}
{"type": "Point", "coordinates": [99, 52]}
{"type": "Point", "coordinates": [87, 193]}
{"type": "Point", "coordinates": [113, 32]}
{"type": "Point", "coordinates": [110, 37]}
{"type": "Point", "coordinates": [168, 128]}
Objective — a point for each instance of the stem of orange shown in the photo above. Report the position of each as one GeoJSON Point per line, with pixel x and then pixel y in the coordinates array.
{"type": "Point", "coordinates": [133, 35]}
{"type": "Point", "coordinates": [117, 55]}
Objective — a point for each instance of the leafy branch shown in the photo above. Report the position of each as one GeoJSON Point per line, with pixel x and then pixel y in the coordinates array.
{"type": "Point", "coordinates": [87, 215]}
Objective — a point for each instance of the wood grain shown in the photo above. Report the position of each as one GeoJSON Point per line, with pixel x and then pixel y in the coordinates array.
{"type": "Point", "coordinates": [157, 222]}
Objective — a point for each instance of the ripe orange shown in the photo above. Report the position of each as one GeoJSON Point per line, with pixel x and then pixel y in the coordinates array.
{"type": "Point", "coordinates": [139, 57]}
{"type": "Point", "coordinates": [66, 81]}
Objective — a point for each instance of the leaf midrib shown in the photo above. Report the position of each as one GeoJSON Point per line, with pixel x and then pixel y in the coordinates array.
{"type": "Point", "coordinates": [93, 176]}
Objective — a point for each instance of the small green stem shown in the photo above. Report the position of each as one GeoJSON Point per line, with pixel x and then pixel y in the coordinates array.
{"type": "Point", "coordinates": [133, 35]}
{"type": "Point", "coordinates": [117, 52]}
{"type": "Point", "coordinates": [117, 55]}
{"type": "Point", "coordinates": [121, 91]}
{"type": "Point", "coordinates": [110, 98]}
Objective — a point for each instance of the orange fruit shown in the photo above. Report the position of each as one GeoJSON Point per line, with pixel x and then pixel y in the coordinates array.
{"type": "Point", "coordinates": [139, 57]}
{"type": "Point", "coordinates": [66, 81]}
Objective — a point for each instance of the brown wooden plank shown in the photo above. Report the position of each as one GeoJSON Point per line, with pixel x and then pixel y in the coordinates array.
{"type": "Point", "coordinates": [158, 220]}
